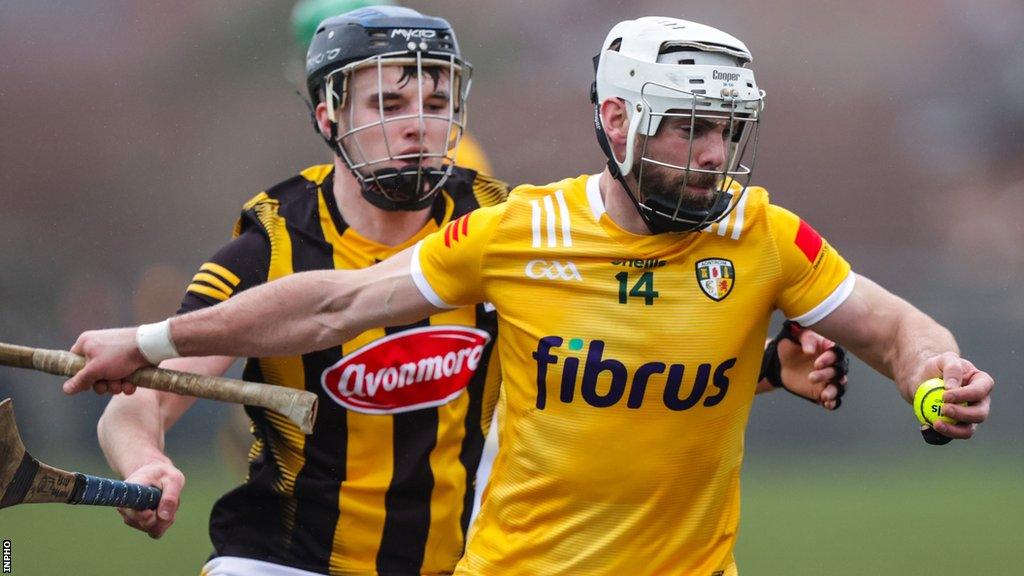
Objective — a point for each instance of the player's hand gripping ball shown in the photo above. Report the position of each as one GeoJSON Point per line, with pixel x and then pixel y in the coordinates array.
{"type": "Point", "coordinates": [928, 402]}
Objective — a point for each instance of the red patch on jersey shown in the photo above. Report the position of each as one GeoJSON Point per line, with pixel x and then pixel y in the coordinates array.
{"type": "Point", "coordinates": [808, 241]}
{"type": "Point", "coordinates": [459, 226]}
{"type": "Point", "coordinates": [413, 369]}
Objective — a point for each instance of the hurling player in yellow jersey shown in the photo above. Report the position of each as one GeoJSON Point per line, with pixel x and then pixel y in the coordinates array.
{"type": "Point", "coordinates": [633, 306]}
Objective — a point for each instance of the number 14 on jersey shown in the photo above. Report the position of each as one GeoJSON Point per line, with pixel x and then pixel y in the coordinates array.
{"type": "Point", "coordinates": [642, 288]}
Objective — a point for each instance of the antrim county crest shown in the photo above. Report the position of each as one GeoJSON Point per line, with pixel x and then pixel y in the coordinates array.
{"type": "Point", "coordinates": [716, 277]}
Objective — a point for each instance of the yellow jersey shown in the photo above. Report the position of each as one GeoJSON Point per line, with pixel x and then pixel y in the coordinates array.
{"type": "Point", "coordinates": [629, 365]}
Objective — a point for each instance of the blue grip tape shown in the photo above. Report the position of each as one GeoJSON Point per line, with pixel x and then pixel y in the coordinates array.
{"type": "Point", "coordinates": [97, 491]}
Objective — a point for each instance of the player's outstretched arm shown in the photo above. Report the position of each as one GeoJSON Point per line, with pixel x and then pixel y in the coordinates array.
{"type": "Point", "coordinates": [907, 345]}
{"type": "Point", "coordinates": [131, 434]}
{"type": "Point", "coordinates": [296, 314]}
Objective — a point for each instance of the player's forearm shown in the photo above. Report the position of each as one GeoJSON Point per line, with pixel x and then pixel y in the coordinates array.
{"type": "Point", "coordinates": [297, 314]}
{"type": "Point", "coordinates": [132, 428]}
{"type": "Point", "coordinates": [917, 338]}
{"type": "Point", "coordinates": [904, 338]}
{"type": "Point", "coordinates": [131, 431]}
{"type": "Point", "coordinates": [887, 333]}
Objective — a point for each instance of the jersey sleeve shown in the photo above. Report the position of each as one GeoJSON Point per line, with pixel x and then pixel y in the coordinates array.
{"type": "Point", "coordinates": [241, 264]}
{"type": "Point", "coordinates": [816, 279]}
{"type": "Point", "coordinates": [447, 266]}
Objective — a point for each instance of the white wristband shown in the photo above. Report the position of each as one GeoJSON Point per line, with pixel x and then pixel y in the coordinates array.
{"type": "Point", "coordinates": [154, 341]}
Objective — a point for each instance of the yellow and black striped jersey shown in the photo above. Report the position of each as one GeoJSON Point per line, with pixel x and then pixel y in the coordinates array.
{"type": "Point", "coordinates": [629, 367]}
{"type": "Point", "coordinates": [385, 483]}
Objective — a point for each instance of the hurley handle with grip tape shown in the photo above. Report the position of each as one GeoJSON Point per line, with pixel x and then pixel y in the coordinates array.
{"type": "Point", "coordinates": [25, 480]}
{"type": "Point", "coordinates": [96, 491]}
{"type": "Point", "coordinates": [299, 406]}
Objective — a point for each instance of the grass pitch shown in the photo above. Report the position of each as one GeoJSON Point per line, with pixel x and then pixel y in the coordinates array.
{"type": "Point", "coordinates": [802, 515]}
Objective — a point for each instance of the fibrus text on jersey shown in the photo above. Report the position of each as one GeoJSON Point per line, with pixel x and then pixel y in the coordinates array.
{"type": "Point", "coordinates": [595, 364]}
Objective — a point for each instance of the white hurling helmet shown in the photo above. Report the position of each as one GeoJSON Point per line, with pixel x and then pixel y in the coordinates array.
{"type": "Point", "coordinates": [663, 67]}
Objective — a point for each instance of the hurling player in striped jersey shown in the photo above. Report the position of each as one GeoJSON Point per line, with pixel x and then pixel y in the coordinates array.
{"type": "Point", "coordinates": [627, 323]}
{"type": "Point", "coordinates": [385, 483]}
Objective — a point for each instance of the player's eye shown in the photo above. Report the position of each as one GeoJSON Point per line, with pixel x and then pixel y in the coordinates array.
{"type": "Point", "coordinates": [696, 131]}
{"type": "Point", "coordinates": [436, 103]}
{"type": "Point", "coordinates": [685, 130]}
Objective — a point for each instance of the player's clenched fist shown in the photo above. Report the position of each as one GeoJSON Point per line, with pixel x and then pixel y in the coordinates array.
{"type": "Point", "coordinates": [110, 357]}
{"type": "Point", "coordinates": [814, 368]}
{"type": "Point", "coordinates": [170, 480]}
{"type": "Point", "coordinates": [807, 365]}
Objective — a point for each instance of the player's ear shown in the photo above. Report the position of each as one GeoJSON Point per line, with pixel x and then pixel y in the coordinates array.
{"type": "Point", "coordinates": [615, 121]}
{"type": "Point", "coordinates": [323, 120]}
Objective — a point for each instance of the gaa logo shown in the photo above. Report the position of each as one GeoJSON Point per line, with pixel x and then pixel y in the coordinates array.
{"type": "Point", "coordinates": [413, 369]}
{"type": "Point", "coordinates": [553, 270]}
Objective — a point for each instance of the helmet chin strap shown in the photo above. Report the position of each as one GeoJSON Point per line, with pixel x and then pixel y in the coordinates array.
{"type": "Point", "coordinates": [396, 190]}
{"type": "Point", "coordinates": [656, 206]}
{"type": "Point", "coordinates": [613, 166]}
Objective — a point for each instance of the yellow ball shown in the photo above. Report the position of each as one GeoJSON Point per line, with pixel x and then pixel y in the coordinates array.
{"type": "Point", "coordinates": [928, 402]}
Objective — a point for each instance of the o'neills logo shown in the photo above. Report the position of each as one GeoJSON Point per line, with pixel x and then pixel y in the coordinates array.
{"type": "Point", "coordinates": [416, 368]}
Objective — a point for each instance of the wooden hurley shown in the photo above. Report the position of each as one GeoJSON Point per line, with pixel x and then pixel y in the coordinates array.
{"type": "Point", "coordinates": [25, 480]}
{"type": "Point", "coordinates": [299, 406]}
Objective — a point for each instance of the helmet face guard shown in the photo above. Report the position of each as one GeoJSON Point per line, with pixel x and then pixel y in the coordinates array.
{"type": "Point", "coordinates": [669, 68]}
{"type": "Point", "coordinates": [730, 179]}
{"type": "Point", "coordinates": [399, 179]}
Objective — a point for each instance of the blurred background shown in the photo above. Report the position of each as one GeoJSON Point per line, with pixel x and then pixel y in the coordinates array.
{"type": "Point", "coordinates": [133, 132]}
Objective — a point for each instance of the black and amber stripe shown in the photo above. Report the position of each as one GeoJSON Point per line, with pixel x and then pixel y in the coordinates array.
{"type": "Point", "coordinates": [215, 281]}
{"type": "Point", "coordinates": [489, 191]}
{"type": "Point", "coordinates": [385, 494]}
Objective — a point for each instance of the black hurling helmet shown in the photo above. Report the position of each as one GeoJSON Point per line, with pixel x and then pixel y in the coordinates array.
{"type": "Point", "coordinates": [372, 38]}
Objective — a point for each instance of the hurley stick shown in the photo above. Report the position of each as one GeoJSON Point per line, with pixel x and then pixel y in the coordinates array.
{"type": "Point", "coordinates": [298, 406]}
{"type": "Point", "coordinates": [25, 480]}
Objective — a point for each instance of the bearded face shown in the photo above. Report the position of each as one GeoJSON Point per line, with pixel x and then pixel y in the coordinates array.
{"type": "Point", "coordinates": [696, 190]}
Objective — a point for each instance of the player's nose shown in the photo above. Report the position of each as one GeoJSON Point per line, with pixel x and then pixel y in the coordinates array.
{"type": "Point", "coordinates": [411, 129]}
{"type": "Point", "coordinates": [710, 152]}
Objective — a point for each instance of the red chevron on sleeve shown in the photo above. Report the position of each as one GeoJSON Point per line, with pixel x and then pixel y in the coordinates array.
{"type": "Point", "coordinates": [808, 241]}
{"type": "Point", "coordinates": [451, 233]}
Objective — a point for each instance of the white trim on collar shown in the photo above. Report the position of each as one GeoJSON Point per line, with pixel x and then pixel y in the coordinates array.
{"type": "Point", "coordinates": [594, 196]}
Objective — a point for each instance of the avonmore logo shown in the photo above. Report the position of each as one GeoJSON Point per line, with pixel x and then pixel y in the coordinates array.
{"type": "Point", "coordinates": [413, 369]}
{"type": "Point", "coordinates": [553, 270]}
{"type": "Point", "coordinates": [680, 387]}
{"type": "Point", "coordinates": [410, 34]}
